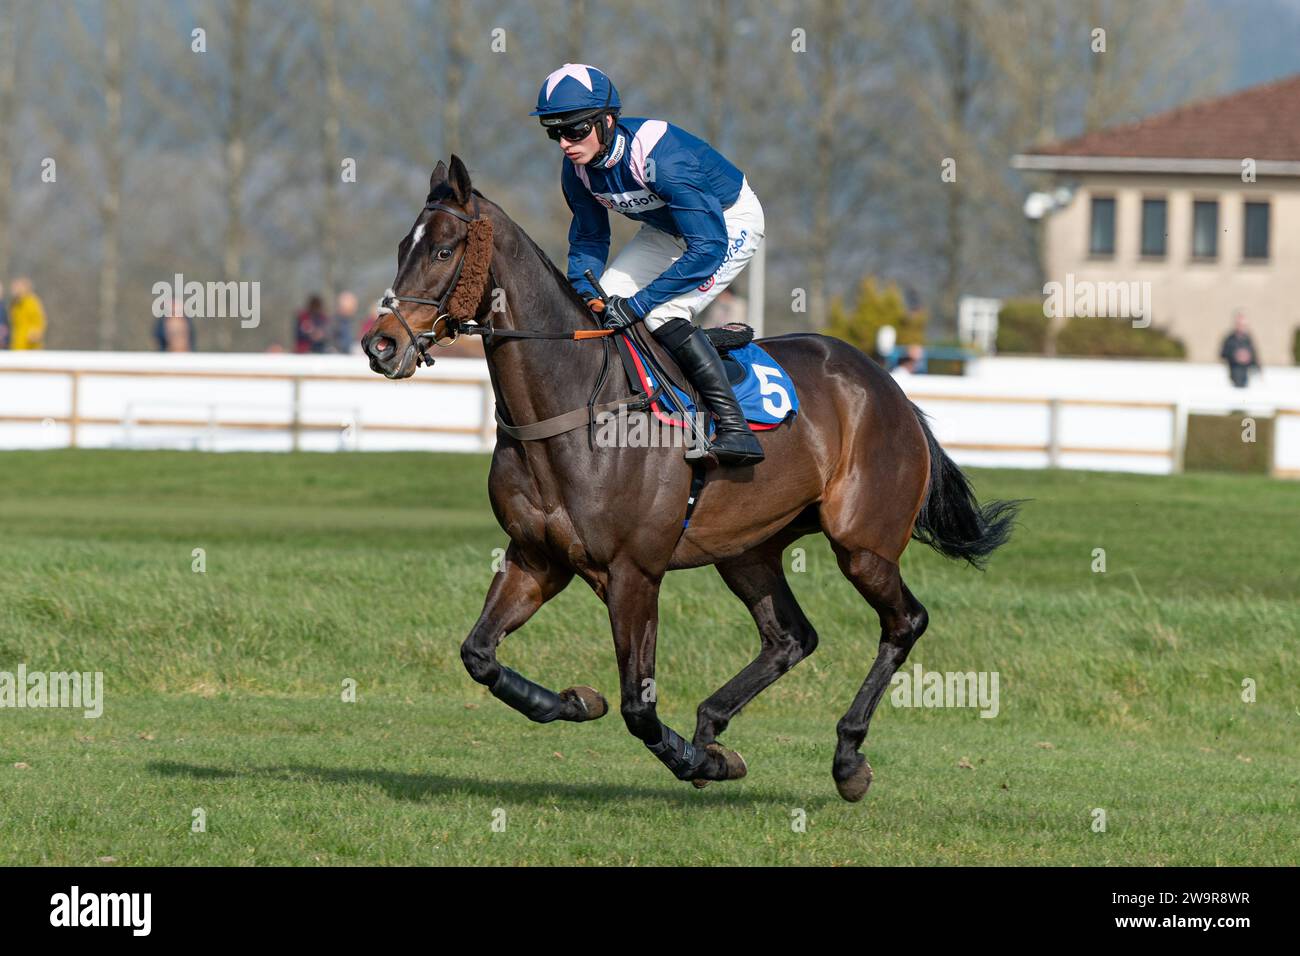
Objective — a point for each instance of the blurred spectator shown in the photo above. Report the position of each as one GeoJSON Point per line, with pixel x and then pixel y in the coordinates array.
{"type": "Point", "coordinates": [371, 318]}
{"type": "Point", "coordinates": [345, 323]}
{"type": "Point", "coordinates": [26, 317]}
{"type": "Point", "coordinates": [175, 331]}
{"type": "Point", "coordinates": [312, 328]}
{"type": "Point", "coordinates": [912, 363]}
{"type": "Point", "coordinates": [1239, 351]}
{"type": "Point", "coordinates": [916, 355]}
{"type": "Point", "coordinates": [4, 319]}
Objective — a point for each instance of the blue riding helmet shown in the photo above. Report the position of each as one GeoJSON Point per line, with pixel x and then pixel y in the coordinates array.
{"type": "Point", "coordinates": [575, 92]}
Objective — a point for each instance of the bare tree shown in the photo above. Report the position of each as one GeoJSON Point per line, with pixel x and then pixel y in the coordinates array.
{"type": "Point", "coordinates": [573, 41]}
{"type": "Point", "coordinates": [832, 80]}
{"type": "Point", "coordinates": [9, 71]}
{"type": "Point", "coordinates": [721, 24]}
{"type": "Point", "coordinates": [111, 156]}
{"type": "Point", "coordinates": [234, 134]}
{"type": "Point", "coordinates": [944, 86]}
{"type": "Point", "coordinates": [457, 54]}
{"type": "Point", "coordinates": [331, 43]}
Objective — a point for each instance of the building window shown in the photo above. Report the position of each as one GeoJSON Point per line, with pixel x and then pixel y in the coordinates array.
{"type": "Point", "coordinates": [1101, 237]}
{"type": "Point", "coordinates": [1256, 232]}
{"type": "Point", "coordinates": [1154, 217]}
{"type": "Point", "coordinates": [1205, 229]}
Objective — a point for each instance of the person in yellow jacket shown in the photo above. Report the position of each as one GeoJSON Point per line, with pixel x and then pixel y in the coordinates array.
{"type": "Point", "coordinates": [26, 317]}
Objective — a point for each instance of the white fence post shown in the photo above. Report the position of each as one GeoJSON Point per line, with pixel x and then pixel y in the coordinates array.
{"type": "Point", "coordinates": [296, 425]}
{"type": "Point", "coordinates": [74, 413]}
{"type": "Point", "coordinates": [1054, 433]}
{"type": "Point", "coordinates": [1179, 437]}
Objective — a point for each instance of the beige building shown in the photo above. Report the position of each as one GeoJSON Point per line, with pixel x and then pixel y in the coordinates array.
{"type": "Point", "coordinates": [1200, 206]}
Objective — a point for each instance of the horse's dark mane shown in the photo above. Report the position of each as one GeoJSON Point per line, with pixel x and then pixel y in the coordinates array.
{"type": "Point", "coordinates": [443, 191]}
{"type": "Point", "coordinates": [556, 273]}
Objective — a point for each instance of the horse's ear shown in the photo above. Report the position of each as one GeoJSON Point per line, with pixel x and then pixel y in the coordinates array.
{"type": "Point", "coordinates": [459, 180]}
{"type": "Point", "coordinates": [439, 176]}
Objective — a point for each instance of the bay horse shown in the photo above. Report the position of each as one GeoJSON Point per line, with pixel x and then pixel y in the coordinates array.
{"type": "Point", "coordinates": [858, 463]}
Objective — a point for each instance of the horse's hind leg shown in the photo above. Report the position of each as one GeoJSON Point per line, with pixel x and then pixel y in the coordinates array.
{"type": "Point", "coordinates": [758, 578]}
{"type": "Point", "coordinates": [902, 621]}
{"type": "Point", "coordinates": [523, 585]}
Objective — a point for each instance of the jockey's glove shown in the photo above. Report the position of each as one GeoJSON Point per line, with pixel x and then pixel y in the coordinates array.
{"type": "Point", "coordinates": [619, 313]}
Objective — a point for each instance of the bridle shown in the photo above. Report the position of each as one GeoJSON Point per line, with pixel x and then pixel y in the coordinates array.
{"type": "Point", "coordinates": [450, 323]}
{"type": "Point", "coordinates": [457, 326]}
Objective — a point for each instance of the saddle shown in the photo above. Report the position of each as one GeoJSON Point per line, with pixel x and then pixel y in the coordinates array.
{"type": "Point", "coordinates": [765, 404]}
{"type": "Point", "coordinates": [725, 338]}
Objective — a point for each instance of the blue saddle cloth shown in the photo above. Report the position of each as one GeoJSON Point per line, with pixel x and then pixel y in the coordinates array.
{"type": "Point", "coordinates": [766, 393]}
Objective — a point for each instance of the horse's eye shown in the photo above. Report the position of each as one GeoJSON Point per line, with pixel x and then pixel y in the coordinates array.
{"type": "Point", "coordinates": [443, 254]}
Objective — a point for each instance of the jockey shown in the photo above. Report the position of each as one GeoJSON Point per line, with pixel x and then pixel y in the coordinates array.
{"type": "Point", "coordinates": [700, 225]}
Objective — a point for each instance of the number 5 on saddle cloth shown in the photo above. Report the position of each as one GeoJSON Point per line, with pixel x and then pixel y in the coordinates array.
{"type": "Point", "coordinates": [765, 392]}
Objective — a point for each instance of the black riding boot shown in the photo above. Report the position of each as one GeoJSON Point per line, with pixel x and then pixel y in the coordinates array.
{"type": "Point", "coordinates": [733, 443]}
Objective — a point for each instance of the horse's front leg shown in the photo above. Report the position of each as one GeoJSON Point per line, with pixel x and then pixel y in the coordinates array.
{"type": "Point", "coordinates": [523, 585]}
{"type": "Point", "coordinates": [633, 601]}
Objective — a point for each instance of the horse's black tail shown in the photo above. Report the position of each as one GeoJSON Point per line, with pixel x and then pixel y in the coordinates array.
{"type": "Point", "coordinates": [951, 520]}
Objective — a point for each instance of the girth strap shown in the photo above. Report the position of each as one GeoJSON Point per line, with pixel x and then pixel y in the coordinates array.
{"type": "Point", "coordinates": [576, 418]}
{"type": "Point", "coordinates": [697, 485]}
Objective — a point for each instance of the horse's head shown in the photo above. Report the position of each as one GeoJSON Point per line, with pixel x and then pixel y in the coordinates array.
{"type": "Point", "coordinates": [442, 276]}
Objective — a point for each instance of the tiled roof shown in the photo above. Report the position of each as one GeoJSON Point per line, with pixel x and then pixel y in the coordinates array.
{"type": "Point", "coordinates": [1261, 122]}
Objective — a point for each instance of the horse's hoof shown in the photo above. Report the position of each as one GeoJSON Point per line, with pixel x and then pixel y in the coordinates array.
{"type": "Point", "coordinates": [591, 704]}
{"type": "Point", "coordinates": [855, 787]}
{"type": "Point", "coordinates": [736, 767]}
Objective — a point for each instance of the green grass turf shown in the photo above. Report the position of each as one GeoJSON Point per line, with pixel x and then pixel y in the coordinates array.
{"type": "Point", "coordinates": [1119, 690]}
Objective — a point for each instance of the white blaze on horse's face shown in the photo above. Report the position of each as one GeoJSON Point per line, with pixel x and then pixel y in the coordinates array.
{"type": "Point", "coordinates": [416, 236]}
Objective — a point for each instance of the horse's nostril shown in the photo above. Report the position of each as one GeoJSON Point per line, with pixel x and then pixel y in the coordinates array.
{"type": "Point", "coordinates": [384, 344]}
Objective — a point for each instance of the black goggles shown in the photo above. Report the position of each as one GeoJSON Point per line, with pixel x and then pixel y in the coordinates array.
{"type": "Point", "coordinates": [573, 132]}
